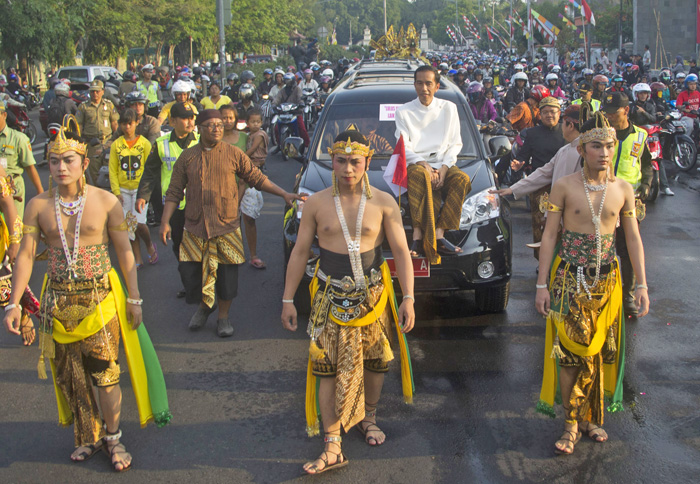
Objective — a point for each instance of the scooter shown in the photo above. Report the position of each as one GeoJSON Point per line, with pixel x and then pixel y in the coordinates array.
{"type": "Point", "coordinates": [24, 124]}
{"type": "Point", "coordinates": [676, 145]}
{"type": "Point", "coordinates": [654, 146]}
{"type": "Point", "coordinates": [309, 100]}
{"type": "Point", "coordinates": [285, 124]}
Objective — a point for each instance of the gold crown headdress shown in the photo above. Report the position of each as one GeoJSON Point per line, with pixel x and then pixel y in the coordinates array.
{"type": "Point", "coordinates": [602, 131]}
{"type": "Point", "coordinates": [61, 143]}
{"type": "Point", "coordinates": [350, 147]}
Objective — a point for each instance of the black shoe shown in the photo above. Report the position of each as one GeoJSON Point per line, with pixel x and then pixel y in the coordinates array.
{"type": "Point", "coordinates": [445, 247]}
{"type": "Point", "coordinates": [417, 248]}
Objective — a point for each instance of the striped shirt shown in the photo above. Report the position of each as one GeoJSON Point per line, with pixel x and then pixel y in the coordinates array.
{"type": "Point", "coordinates": [212, 189]}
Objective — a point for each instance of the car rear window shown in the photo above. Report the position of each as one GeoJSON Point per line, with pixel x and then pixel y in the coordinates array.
{"type": "Point", "coordinates": [376, 121]}
{"type": "Point", "coordinates": [75, 75]}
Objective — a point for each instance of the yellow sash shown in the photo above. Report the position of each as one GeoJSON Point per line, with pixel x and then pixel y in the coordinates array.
{"type": "Point", "coordinates": [113, 304]}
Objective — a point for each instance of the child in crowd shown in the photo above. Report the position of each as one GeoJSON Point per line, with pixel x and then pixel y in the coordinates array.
{"type": "Point", "coordinates": [252, 201]}
{"type": "Point", "coordinates": [127, 159]}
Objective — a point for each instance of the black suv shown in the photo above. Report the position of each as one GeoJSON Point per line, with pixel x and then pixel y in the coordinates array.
{"type": "Point", "coordinates": [367, 98]}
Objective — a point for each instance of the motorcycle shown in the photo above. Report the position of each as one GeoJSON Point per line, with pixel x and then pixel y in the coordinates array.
{"type": "Point", "coordinates": [310, 100]}
{"type": "Point", "coordinates": [24, 124]}
{"type": "Point", "coordinates": [654, 146]}
{"type": "Point", "coordinates": [676, 145]}
{"type": "Point", "coordinates": [285, 124]}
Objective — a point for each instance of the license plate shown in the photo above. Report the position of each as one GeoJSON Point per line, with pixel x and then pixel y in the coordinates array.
{"type": "Point", "coordinates": [421, 267]}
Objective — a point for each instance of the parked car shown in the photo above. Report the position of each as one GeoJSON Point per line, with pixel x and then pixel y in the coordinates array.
{"type": "Point", "coordinates": [367, 98]}
{"type": "Point", "coordinates": [85, 74]}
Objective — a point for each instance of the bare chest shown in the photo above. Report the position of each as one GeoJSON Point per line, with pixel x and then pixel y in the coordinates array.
{"type": "Point", "coordinates": [93, 225]}
{"type": "Point", "coordinates": [580, 210]}
{"type": "Point", "coordinates": [330, 230]}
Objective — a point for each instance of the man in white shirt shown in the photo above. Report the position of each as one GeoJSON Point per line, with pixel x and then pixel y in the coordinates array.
{"type": "Point", "coordinates": [431, 134]}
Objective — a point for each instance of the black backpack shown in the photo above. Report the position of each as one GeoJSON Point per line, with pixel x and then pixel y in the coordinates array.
{"type": "Point", "coordinates": [56, 110]}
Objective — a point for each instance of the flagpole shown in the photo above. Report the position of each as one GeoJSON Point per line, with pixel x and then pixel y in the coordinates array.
{"type": "Point", "coordinates": [511, 26]}
{"type": "Point", "coordinates": [531, 40]}
{"type": "Point", "coordinates": [585, 42]}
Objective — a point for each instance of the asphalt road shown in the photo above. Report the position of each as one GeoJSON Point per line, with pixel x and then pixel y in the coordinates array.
{"type": "Point", "coordinates": [238, 403]}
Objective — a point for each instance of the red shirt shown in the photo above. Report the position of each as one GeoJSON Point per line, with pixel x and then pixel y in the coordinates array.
{"type": "Point", "coordinates": [690, 97]}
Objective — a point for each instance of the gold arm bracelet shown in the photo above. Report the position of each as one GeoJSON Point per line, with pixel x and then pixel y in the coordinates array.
{"type": "Point", "coordinates": [553, 208]}
{"type": "Point", "coordinates": [629, 213]}
{"type": "Point", "coordinates": [30, 229]}
{"type": "Point", "coordinates": [121, 227]}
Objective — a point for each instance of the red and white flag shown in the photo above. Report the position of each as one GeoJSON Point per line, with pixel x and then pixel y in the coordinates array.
{"type": "Point", "coordinates": [587, 12]}
{"type": "Point", "coordinates": [396, 174]}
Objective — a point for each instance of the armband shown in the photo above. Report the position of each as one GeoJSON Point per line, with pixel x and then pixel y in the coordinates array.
{"type": "Point", "coordinates": [553, 208]}
{"type": "Point", "coordinates": [629, 213]}
{"type": "Point", "coordinates": [121, 227]}
{"type": "Point", "coordinates": [30, 229]}
{"type": "Point", "coordinates": [5, 188]}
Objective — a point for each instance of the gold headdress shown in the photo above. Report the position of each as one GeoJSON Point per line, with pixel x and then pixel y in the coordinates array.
{"type": "Point", "coordinates": [602, 131]}
{"type": "Point", "coordinates": [62, 143]}
{"type": "Point", "coordinates": [350, 147]}
{"type": "Point", "coordinates": [403, 45]}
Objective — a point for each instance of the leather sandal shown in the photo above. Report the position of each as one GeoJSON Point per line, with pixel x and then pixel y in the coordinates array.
{"type": "Point", "coordinates": [340, 460]}
{"type": "Point", "coordinates": [417, 249]}
{"type": "Point", "coordinates": [445, 247]}
{"type": "Point", "coordinates": [116, 449]}
{"type": "Point", "coordinates": [573, 438]}
{"type": "Point", "coordinates": [92, 449]}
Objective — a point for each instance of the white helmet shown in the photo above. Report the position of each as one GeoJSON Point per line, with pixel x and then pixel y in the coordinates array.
{"type": "Point", "coordinates": [519, 76]}
{"type": "Point", "coordinates": [588, 72]}
{"type": "Point", "coordinates": [328, 72]}
{"type": "Point", "coordinates": [181, 86]}
{"type": "Point", "coordinates": [556, 69]}
{"type": "Point", "coordinates": [551, 77]}
{"type": "Point", "coordinates": [640, 87]}
{"type": "Point", "coordinates": [519, 67]}
{"type": "Point", "coordinates": [62, 88]}
{"type": "Point", "coordinates": [680, 76]}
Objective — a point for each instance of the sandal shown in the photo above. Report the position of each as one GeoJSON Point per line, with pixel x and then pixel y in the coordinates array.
{"type": "Point", "coordinates": [573, 441]}
{"type": "Point", "coordinates": [152, 259]}
{"type": "Point", "coordinates": [92, 449]}
{"type": "Point", "coordinates": [365, 426]}
{"type": "Point", "coordinates": [417, 249]}
{"type": "Point", "coordinates": [116, 449]}
{"type": "Point", "coordinates": [340, 459]}
{"type": "Point", "coordinates": [26, 326]}
{"type": "Point", "coordinates": [257, 263]}
{"type": "Point", "coordinates": [595, 432]}
{"type": "Point", "coordinates": [445, 247]}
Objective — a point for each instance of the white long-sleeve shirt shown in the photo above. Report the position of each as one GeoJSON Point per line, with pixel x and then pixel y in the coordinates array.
{"type": "Point", "coordinates": [430, 133]}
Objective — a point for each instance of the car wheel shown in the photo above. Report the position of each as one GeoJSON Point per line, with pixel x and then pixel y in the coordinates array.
{"type": "Point", "coordinates": [492, 299]}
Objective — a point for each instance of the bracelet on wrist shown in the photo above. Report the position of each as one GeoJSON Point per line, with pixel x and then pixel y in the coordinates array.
{"type": "Point", "coordinates": [135, 302]}
{"type": "Point", "coordinates": [408, 296]}
{"type": "Point", "coordinates": [10, 307]}
{"type": "Point", "coordinates": [642, 286]}
{"type": "Point", "coordinates": [541, 286]}
{"type": "Point", "coordinates": [287, 301]}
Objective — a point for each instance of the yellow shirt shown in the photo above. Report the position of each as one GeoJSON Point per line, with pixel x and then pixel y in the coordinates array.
{"type": "Point", "coordinates": [208, 104]}
{"type": "Point", "coordinates": [165, 112]}
{"type": "Point", "coordinates": [126, 164]}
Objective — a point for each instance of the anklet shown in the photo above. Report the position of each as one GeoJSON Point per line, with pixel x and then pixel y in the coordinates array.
{"type": "Point", "coordinates": [112, 437]}
{"type": "Point", "coordinates": [333, 438]}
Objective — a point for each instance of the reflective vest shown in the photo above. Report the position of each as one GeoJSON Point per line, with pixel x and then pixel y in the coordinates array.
{"type": "Point", "coordinates": [628, 163]}
{"type": "Point", "coordinates": [150, 91]}
{"type": "Point", "coordinates": [595, 104]}
{"type": "Point", "coordinates": [169, 153]}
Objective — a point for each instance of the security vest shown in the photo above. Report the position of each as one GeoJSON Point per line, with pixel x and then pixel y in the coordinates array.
{"type": "Point", "coordinates": [628, 163]}
{"type": "Point", "coordinates": [595, 104]}
{"type": "Point", "coordinates": [150, 91]}
{"type": "Point", "coordinates": [169, 153]}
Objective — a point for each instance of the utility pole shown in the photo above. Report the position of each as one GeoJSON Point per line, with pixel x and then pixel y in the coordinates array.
{"type": "Point", "coordinates": [619, 47]}
{"type": "Point", "coordinates": [222, 36]}
{"type": "Point", "coordinates": [511, 26]}
{"type": "Point", "coordinates": [350, 33]}
{"type": "Point", "coordinates": [385, 29]}
{"type": "Point", "coordinates": [531, 39]}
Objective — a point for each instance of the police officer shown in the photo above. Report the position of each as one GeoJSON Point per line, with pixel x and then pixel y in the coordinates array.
{"type": "Point", "coordinates": [150, 89]}
{"type": "Point", "coordinates": [160, 163]}
{"type": "Point", "coordinates": [632, 163]}
{"type": "Point", "coordinates": [98, 119]}
{"type": "Point", "coordinates": [585, 90]}
{"type": "Point", "coordinates": [16, 157]}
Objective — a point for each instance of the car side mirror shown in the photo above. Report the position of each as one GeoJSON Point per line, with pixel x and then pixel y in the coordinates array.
{"type": "Point", "coordinates": [499, 145]}
{"type": "Point", "coordinates": [294, 148]}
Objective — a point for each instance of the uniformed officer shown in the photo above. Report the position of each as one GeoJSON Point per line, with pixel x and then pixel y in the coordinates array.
{"type": "Point", "coordinates": [150, 89]}
{"type": "Point", "coordinates": [147, 126]}
{"type": "Point", "coordinates": [632, 163]}
{"type": "Point", "coordinates": [16, 157]}
{"type": "Point", "coordinates": [98, 119]}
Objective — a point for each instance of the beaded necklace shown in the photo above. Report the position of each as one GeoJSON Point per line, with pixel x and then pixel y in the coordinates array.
{"type": "Point", "coordinates": [354, 245]}
{"type": "Point", "coordinates": [580, 277]}
{"type": "Point", "coordinates": [71, 260]}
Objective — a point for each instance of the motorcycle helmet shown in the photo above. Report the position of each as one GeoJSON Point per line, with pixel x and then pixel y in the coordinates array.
{"type": "Point", "coordinates": [478, 72]}
{"type": "Point", "coordinates": [474, 92]}
{"type": "Point", "coordinates": [308, 72]}
{"type": "Point", "coordinates": [587, 72]}
{"type": "Point", "coordinates": [197, 71]}
{"type": "Point", "coordinates": [556, 69]}
{"type": "Point", "coordinates": [52, 82]}
{"type": "Point", "coordinates": [135, 97]}
{"type": "Point", "coordinates": [519, 76]}
{"type": "Point", "coordinates": [328, 72]}
{"type": "Point", "coordinates": [247, 76]}
{"type": "Point", "coordinates": [232, 77]}
{"type": "Point", "coordinates": [690, 78]}
{"type": "Point", "coordinates": [496, 70]}
{"type": "Point", "coordinates": [12, 76]}
{"type": "Point", "coordinates": [181, 86]}
{"type": "Point", "coordinates": [600, 78]}
{"type": "Point", "coordinates": [267, 71]}
{"type": "Point", "coordinates": [62, 89]}
{"type": "Point", "coordinates": [291, 69]}
{"type": "Point", "coordinates": [680, 76]}
{"type": "Point", "coordinates": [443, 66]}
{"type": "Point", "coordinates": [579, 66]}
{"type": "Point", "coordinates": [246, 91]}
{"type": "Point", "coordinates": [519, 68]}
{"type": "Point", "coordinates": [551, 77]}
{"type": "Point", "coordinates": [657, 89]}
{"type": "Point", "coordinates": [289, 78]}
{"type": "Point", "coordinates": [324, 80]}
{"type": "Point", "coordinates": [539, 92]}
{"type": "Point", "coordinates": [100, 78]}
{"type": "Point", "coordinates": [640, 87]}
{"type": "Point", "coordinates": [278, 71]}
{"type": "Point", "coordinates": [534, 70]}
{"type": "Point", "coordinates": [617, 78]}
{"type": "Point", "coordinates": [303, 66]}
{"type": "Point", "coordinates": [665, 76]}
{"type": "Point", "coordinates": [487, 79]}
{"type": "Point", "coordinates": [635, 68]}
{"type": "Point", "coordinates": [452, 72]}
